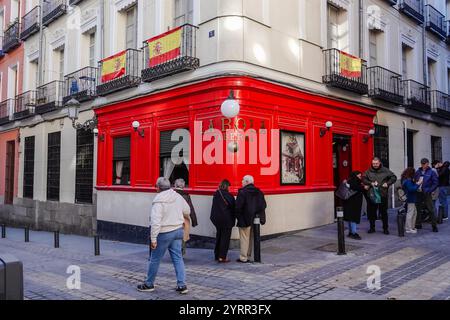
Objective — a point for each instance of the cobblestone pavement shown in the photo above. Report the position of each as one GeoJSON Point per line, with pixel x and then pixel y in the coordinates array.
{"type": "Point", "coordinates": [300, 266]}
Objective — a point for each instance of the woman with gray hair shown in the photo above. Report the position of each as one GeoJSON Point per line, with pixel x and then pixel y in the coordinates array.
{"type": "Point", "coordinates": [179, 186]}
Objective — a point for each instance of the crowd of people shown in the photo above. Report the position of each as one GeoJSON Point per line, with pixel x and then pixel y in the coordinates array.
{"type": "Point", "coordinates": [172, 212]}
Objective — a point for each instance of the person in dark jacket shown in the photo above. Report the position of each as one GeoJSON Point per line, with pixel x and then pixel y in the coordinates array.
{"type": "Point", "coordinates": [353, 205]}
{"type": "Point", "coordinates": [444, 175]}
{"type": "Point", "coordinates": [223, 218]}
{"type": "Point", "coordinates": [429, 185]}
{"type": "Point", "coordinates": [250, 203]}
{"type": "Point", "coordinates": [179, 186]}
{"type": "Point", "coordinates": [378, 179]}
{"type": "Point", "coordinates": [410, 186]}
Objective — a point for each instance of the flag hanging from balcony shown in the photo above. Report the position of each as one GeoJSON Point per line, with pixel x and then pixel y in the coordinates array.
{"type": "Point", "coordinates": [165, 47]}
{"type": "Point", "coordinates": [350, 66]}
{"type": "Point", "coordinates": [114, 66]}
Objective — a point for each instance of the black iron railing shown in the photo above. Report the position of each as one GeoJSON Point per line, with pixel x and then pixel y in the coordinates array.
{"type": "Point", "coordinates": [435, 22]}
{"type": "Point", "coordinates": [25, 104]}
{"type": "Point", "coordinates": [391, 2]}
{"type": "Point", "coordinates": [30, 23]}
{"type": "Point", "coordinates": [440, 103]}
{"type": "Point", "coordinates": [2, 54]}
{"type": "Point", "coordinates": [52, 10]}
{"type": "Point", "coordinates": [6, 109]}
{"type": "Point", "coordinates": [119, 72]}
{"type": "Point", "coordinates": [413, 9]}
{"type": "Point", "coordinates": [385, 84]}
{"type": "Point", "coordinates": [417, 95]}
{"type": "Point", "coordinates": [49, 97]}
{"type": "Point", "coordinates": [350, 74]}
{"type": "Point", "coordinates": [11, 38]}
{"type": "Point", "coordinates": [182, 56]}
{"type": "Point", "coordinates": [74, 2]}
{"type": "Point", "coordinates": [81, 85]}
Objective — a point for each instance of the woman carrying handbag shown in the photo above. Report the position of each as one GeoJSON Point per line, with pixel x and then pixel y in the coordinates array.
{"type": "Point", "coordinates": [353, 205]}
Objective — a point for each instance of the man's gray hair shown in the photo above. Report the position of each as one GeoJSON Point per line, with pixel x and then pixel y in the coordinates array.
{"type": "Point", "coordinates": [249, 179]}
{"type": "Point", "coordinates": [179, 184]}
{"type": "Point", "coordinates": [163, 183]}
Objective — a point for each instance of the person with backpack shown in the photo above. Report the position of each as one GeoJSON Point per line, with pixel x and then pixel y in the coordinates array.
{"type": "Point", "coordinates": [353, 205]}
{"type": "Point", "coordinates": [429, 185]}
{"type": "Point", "coordinates": [410, 188]}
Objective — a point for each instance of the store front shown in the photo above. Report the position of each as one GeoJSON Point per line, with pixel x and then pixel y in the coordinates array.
{"type": "Point", "coordinates": [9, 164]}
{"type": "Point", "coordinates": [280, 137]}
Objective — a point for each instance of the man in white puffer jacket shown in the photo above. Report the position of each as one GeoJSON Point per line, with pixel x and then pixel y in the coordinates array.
{"type": "Point", "coordinates": [166, 233]}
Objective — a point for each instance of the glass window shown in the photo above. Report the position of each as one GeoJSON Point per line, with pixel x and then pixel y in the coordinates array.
{"type": "Point", "coordinates": [373, 48]}
{"type": "Point", "coordinates": [131, 28]}
{"type": "Point", "coordinates": [184, 10]}
{"type": "Point", "coordinates": [381, 144]}
{"type": "Point", "coordinates": [92, 57]}
{"type": "Point", "coordinates": [61, 64]}
{"type": "Point", "coordinates": [121, 161]}
{"type": "Point", "coordinates": [28, 169]}
{"type": "Point", "coordinates": [333, 27]}
{"type": "Point", "coordinates": [84, 177]}
{"type": "Point", "coordinates": [436, 148]}
{"type": "Point", "coordinates": [53, 165]}
{"type": "Point", "coordinates": [405, 62]}
{"type": "Point", "coordinates": [167, 167]}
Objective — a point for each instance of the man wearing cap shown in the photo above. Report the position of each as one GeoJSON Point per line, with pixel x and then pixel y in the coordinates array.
{"type": "Point", "coordinates": [429, 185]}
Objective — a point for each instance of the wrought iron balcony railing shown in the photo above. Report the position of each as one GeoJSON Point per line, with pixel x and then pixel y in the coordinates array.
{"type": "Point", "coordinates": [30, 23]}
{"type": "Point", "coordinates": [25, 105]}
{"type": "Point", "coordinates": [413, 9]}
{"type": "Point", "coordinates": [391, 2]}
{"type": "Point", "coordinates": [440, 103]}
{"type": "Point", "coordinates": [6, 109]}
{"type": "Point", "coordinates": [2, 54]}
{"type": "Point", "coordinates": [417, 95]}
{"type": "Point", "coordinates": [345, 71]}
{"type": "Point", "coordinates": [11, 38]}
{"type": "Point", "coordinates": [435, 22]}
{"type": "Point", "coordinates": [119, 72]}
{"type": "Point", "coordinates": [385, 85]}
{"type": "Point", "coordinates": [74, 2]}
{"type": "Point", "coordinates": [81, 85]}
{"type": "Point", "coordinates": [170, 53]}
{"type": "Point", "coordinates": [49, 97]}
{"type": "Point", "coordinates": [52, 10]}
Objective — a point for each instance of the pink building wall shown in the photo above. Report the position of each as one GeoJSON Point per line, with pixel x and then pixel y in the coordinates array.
{"type": "Point", "coordinates": [4, 138]}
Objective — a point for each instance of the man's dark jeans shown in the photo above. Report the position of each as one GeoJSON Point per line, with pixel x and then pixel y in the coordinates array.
{"type": "Point", "coordinates": [425, 201]}
{"type": "Point", "coordinates": [372, 209]}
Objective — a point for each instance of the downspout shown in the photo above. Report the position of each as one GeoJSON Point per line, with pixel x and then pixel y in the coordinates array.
{"type": "Point", "coordinates": [102, 28]}
{"type": "Point", "coordinates": [41, 45]}
{"type": "Point", "coordinates": [361, 29]}
{"type": "Point", "coordinates": [424, 46]}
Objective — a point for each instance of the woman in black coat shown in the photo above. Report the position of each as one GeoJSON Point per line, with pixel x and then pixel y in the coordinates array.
{"type": "Point", "coordinates": [223, 218]}
{"type": "Point", "coordinates": [353, 205]}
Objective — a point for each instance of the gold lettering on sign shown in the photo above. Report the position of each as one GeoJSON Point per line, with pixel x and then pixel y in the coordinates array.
{"type": "Point", "coordinates": [226, 126]}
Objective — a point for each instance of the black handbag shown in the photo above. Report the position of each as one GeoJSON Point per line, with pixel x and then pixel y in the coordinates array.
{"type": "Point", "coordinates": [344, 192]}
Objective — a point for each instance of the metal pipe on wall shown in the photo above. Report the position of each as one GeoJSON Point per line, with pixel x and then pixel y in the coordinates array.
{"type": "Point", "coordinates": [361, 29]}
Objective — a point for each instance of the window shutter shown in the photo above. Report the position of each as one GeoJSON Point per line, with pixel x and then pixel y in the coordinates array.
{"type": "Point", "coordinates": [166, 144]}
{"type": "Point", "coordinates": [122, 148]}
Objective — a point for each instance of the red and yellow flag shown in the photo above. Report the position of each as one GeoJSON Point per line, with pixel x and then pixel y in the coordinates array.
{"type": "Point", "coordinates": [165, 47]}
{"type": "Point", "coordinates": [350, 66]}
{"type": "Point", "coordinates": [114, 66]}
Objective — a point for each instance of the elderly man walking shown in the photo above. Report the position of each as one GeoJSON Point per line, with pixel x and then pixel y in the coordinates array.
{"type": "Point", "coordinates": [250, 203]}
{"type": "Point", "coordinates": [429, 185]}
{"type": "Point", "coordinates": [169, 210]}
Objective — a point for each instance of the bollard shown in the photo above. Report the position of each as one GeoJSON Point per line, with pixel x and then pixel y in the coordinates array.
{"type": "Point", "coordinates": [341, 231]}
{"type": "Point", "coordinates": [257, 239]}
{"type": "Point", "coordinates": [401, 220]}
{"type": "Point", "coordinates": [56, 238]}
{"type": "Point", "coordinates": [3, 231]}
{"type": "Point", "coordinates": [27, 234]}
{"type": "Point", "coordinates": [97, 245]}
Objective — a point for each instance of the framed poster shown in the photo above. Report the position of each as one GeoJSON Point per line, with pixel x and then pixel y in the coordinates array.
{"type": "Point", "coordinates": [292, 145]}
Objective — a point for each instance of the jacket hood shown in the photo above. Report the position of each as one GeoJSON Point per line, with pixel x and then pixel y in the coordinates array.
{"type": "Point", "coordinates": [250, 188]}
{"type": "Point", "coordinates": [167, 196]}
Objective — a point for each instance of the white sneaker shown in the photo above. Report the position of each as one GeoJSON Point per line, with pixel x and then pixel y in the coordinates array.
{"type": "Point", "coordinates": [411, 231]}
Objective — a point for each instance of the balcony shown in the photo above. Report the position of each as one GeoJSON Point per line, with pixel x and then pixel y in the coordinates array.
{"type": "Point", "coordinates": [181, 55]}
{"type": "Point", "coordinates": [119, 72]}
{"type": "Point", "coordinates": [6, 108]}
{"type": "Point", "coordinates": [49, 97]}
{"type": "Point", "coordinates": [52, 10]}
{"type": "Point", "coordinates": [81, 85]}
{"type": "Point", "coordinates": [11, 38]}
{"type": "Point", "coordinates": [413, 9]}
{"type": "Point", "coordinates": [345, 71]}
{"type": "Point", "coordinates": [385, 85]}
{"type": "Point", "coordinates": [74, 2]}
{"type": "Point", "coordinates": [30, 23]}
{"type": "Point", "coordinates": [391, 2]}
{"type": "Point", "coordinates": [436, 22]}
{"type": "Point", "coordinates": [447, 28]}
{"type": "Point", "coordinates": [2, 54]}
{"type": "Point", "coordinates": [25, 105]}
{"type": "Point", "coordinates": [417, 96]}
{"type": "Point", "coordinates": [440, 103]}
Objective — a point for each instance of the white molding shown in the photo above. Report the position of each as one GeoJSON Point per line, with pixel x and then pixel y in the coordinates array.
{"type": "Point", "coordinates": [59, 39]}
{"type": "Point", "coordinates": [433, 51]}
{"type": "Point", "coordinates": [341, 4]}
{"type": "Point", "coordinates": [89, 21]}
{"type": "Point", "coordinates": [376, 21]}
{"type": "Point", "coordinates": [124, 4]}
{"type": "Point", "coordinates": [408, 39]}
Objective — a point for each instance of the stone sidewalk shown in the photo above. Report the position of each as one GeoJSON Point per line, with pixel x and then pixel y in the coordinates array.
{"type": "Point", "coordinates": [301, 266]}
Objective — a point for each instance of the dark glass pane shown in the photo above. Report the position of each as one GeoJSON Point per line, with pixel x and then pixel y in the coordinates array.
{"type": "Point", "coordinates": [84, 177]}
{"type": "Point", "coordinates": [381, 144]}
{"type": "Point", "coordinates": [28, 170]}
{"type": "Point", "coordinates": [53, 165]}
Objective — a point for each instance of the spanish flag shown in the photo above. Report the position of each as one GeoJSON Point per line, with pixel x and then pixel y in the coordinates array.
{"type": "Point", "coordinates": [350, 66]}
{"type": "Point", "coordinates": [114, 66]}
{"type": "Point", "coordinates": [165, 47]}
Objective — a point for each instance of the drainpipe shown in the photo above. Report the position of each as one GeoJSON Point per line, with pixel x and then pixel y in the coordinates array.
{"type": "Point", "coordinates": [102, 28]}
{"type": "Point", "coordinates": [424, 46]}
{"type": "Point", "coordinates": [405, 144]}
{"type": "Point", "coordinates": [41, 45]}
{"type": "Point", "coordinates": [361, 29]}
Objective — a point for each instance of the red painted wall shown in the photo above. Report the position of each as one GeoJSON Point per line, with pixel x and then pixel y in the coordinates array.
{"type": "Point", "coordinates": [278, 107]}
